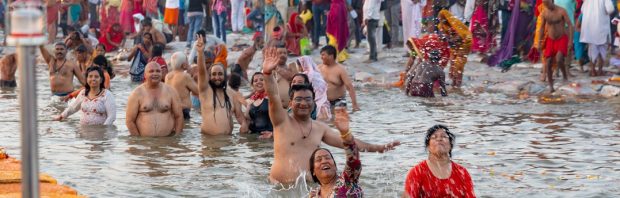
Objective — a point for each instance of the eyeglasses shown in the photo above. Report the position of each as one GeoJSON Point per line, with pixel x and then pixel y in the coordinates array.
{"type": "Point", "coordinates": [300, 99]}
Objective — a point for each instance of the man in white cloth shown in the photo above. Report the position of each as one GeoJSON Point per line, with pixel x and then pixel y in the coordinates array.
{"type": "Point", "coordinates": [412, 18]}
{"type": "Point", "coordinates": [596, 31]}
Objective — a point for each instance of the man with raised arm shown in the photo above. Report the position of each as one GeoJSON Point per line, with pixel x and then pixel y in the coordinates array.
{"type": "Point", "coordinates": [217, 105]}
{"type": "Point", "coordinates": [61, 70]}
{"type": "Point", "coordinates": [153, 108]}
{"type": "Point", "coordinates": [296, 135]}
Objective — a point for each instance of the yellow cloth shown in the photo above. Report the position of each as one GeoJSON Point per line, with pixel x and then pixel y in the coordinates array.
{"type": "Point", "coordinates": [306, 15]}
{"type": "Point", "coordinates": [341, 55]}
{"type": "Point", "coordinates": [115, 3]}
{"type": "Point", "coordinates": [455, 24]}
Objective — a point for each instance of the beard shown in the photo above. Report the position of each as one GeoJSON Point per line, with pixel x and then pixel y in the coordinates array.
{"type": "Point", "coordinates": [216, 86]}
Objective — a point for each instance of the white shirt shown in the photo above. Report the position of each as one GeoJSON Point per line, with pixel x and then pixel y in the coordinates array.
{"type": "Point", "coordinates": [371, 9]}
{"type": "Point", "coordinates": [595, 28]}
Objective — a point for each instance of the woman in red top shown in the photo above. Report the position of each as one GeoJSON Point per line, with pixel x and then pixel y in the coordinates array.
{"type": "Point", "coordinates": [438, 176]}
{"type": "Point", "coordinates": [112, 38]}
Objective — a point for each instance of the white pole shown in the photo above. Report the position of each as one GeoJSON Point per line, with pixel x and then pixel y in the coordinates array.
{"type": "Point", "coordinates": [28, 117]}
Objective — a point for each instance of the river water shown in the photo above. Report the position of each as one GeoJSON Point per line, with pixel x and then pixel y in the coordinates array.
{"type": "Point", "coordinates": [511, 147]}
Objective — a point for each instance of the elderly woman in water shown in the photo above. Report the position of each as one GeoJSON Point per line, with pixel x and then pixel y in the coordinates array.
{"type": "Point", "coordinates": [323, 167]}
{"type": "Point", "coordinates": [95, 102]}
{"type": "Point", "coordinates": [438, 176]}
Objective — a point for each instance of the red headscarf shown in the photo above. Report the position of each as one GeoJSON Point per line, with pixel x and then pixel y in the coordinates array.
{"type": "Point", "coordinates": [292, 23]}
{"type": "Point", "coordinates": [430, 42]}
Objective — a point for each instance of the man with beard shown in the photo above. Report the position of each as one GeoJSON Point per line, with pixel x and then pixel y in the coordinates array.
{"type": "Point", "coordinates": [217, 107]}
{"type": "Point", "coordinates": [61, 70]}
{"type": "Point", "coordinates": [296, 135]}
{"type": "Point", "coordinates": [181, 81]}
{"type": "Point", "coordinates": [154, 108]}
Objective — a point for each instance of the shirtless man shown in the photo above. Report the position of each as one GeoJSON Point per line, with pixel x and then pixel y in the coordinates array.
{"type": "Point", "coordinates": [420, 79]}
{"type": "Point", "coordinates": [248, 54]}
{"type": "Point", "coordinates": [296, 135]}
{"type": "Point", "coordinates": [336, 77]}
{"type": "Point", "coordinates": [558, 40]}
{"type": "Point", "coordinates": [181, 81]}
{"type": "Point", "coordinates": [8, 66]}
{"type": "Point", "coordinates": [216, 103]}
{"type": "Point", "coordinates": [158, 37]}
{"type": "Point", "coordinates": [154, 108]}
{"type": "Point", "coordinates": [61, 70]}
{"type": "Point", "coordinates": [284, 75]}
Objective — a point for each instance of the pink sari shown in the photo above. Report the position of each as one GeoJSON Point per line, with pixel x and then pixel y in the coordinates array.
{"type": "Point", "coordinates": [126, 19]}
{"type": "Point", "coordinates": [337, 25]}
{"type": "Point", "coordinates": [482, 38]}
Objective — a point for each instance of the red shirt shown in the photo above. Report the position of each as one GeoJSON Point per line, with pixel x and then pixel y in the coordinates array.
{"type": "Point", "coordinates": [421, 182]}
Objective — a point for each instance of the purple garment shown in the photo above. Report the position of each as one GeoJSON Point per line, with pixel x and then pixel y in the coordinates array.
{"type": "Point", "coordinates": [508, 42]}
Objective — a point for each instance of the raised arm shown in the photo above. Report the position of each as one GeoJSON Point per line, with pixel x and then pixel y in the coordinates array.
{"type": "Point", "coordinates": [110, 108]}
{"type": "Point", "coordinates": [203, 74]}
{"type": "Point", "coordinates": [276, 113]}
{"type": "Point", "coordinates": [79, 74]}
{"type": "Point", "coordinates": [131, 115]}
{"type": "Point", "coordinates": [349, 85]}
{"type": "Point", "coordinates": [46, 54]}
{"type": "Point", "coordinates": [353, 167]}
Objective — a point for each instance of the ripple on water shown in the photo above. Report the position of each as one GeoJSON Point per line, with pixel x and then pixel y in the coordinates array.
{"type": "Point", "coordinates": [511, 147]}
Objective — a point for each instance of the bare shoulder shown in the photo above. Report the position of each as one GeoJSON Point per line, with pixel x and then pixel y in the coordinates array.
{"type": "Point", "coordinates": [321, 126]}
{"type": "Point", "coordinates": [136, 93]}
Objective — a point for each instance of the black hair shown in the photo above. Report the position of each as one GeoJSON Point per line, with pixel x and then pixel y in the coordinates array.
{"type": "Point", "coordinates": [101, 45]}
{"type": "Point", "coordinates": [234, 81]}
{"type": "Point", "coordinates": [434, 56]}
{"type": "Point", "coordinates": [306, 79]}
{"type": "Point", "coordinates": [81, 48]}
{"type": "Point", "coordinates": [253, 75]}
{"type": "Point", "coordinates": [314, 178]}
{"type": "Point", "coordinates": [61, 44]}
{"type": "Point", "coordinates": [434, 129]}
{"type": "Point", "coordinates": [144, 34]}
{"type": "Point", "coordinates": [302, 87]}
{"type": "Point", "coordinates": [227, 103]}
{"type": "Point", "coordinates": [158, 50]}
{"type": "Point", "coordinates": [102, 84]}
{"type": "Point", "coordinates": [330, 50]}
{"type": "Point", "coordinates": [103, 61]}
{"type": "Point", "coordinates": [146, 22]}
{"type": "Point", "coordinates": [202, 33]}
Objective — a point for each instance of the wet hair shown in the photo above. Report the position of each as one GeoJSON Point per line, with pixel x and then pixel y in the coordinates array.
{"type": "Point", "coordinates": [202, 33]}
{"type": "Point", "coordinates": [158, 50]}
{"type": "Point", "coordinates": [234, 81]}
{"type": "Point", "coordinates": [302, 87]}
{"type": "Point", "coordinates": [314, 178]}
{"type": "Point", "coordinates": [432, 131]}
{"type": "Point", "coordinates": [101, 84]}
{"type": "Point", "coordinates": [227, 103]}
{"type": "Point", "coordinates": [330, 50]}
{"type": "Point", "coordinates": [146, 22]}
{"type": "Point", "coordinates": [81, 48]}
{"type": "Point", "coordinates": [434, 56]}
{"type": "Point", "coordinates": [103, 61]}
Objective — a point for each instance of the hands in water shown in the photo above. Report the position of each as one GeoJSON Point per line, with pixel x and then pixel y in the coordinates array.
{"type": "Point", "coordinates": [265, 135]}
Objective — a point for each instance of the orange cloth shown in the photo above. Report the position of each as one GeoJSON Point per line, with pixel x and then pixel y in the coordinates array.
{"type": "Point", "coordinates": [171, 16]}
{"type": "Point", "coordinates": [221, 54]}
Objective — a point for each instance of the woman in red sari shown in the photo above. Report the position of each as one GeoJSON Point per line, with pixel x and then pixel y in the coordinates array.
{"type": "Point", "coordinates": [110, 13]}
{"type": "Point", "coordinates": [295, 31]}
{"type": "Point", "coordinates": [338, 27]}
{"type": "Point", "coordinates": [112, 38]}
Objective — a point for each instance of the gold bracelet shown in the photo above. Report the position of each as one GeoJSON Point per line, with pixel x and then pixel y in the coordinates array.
{"type": "Point", "coordinates": [348, 133]}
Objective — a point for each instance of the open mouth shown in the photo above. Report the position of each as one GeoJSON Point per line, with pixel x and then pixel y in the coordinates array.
{"type": "Point", "coordinates": [325, 167]}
